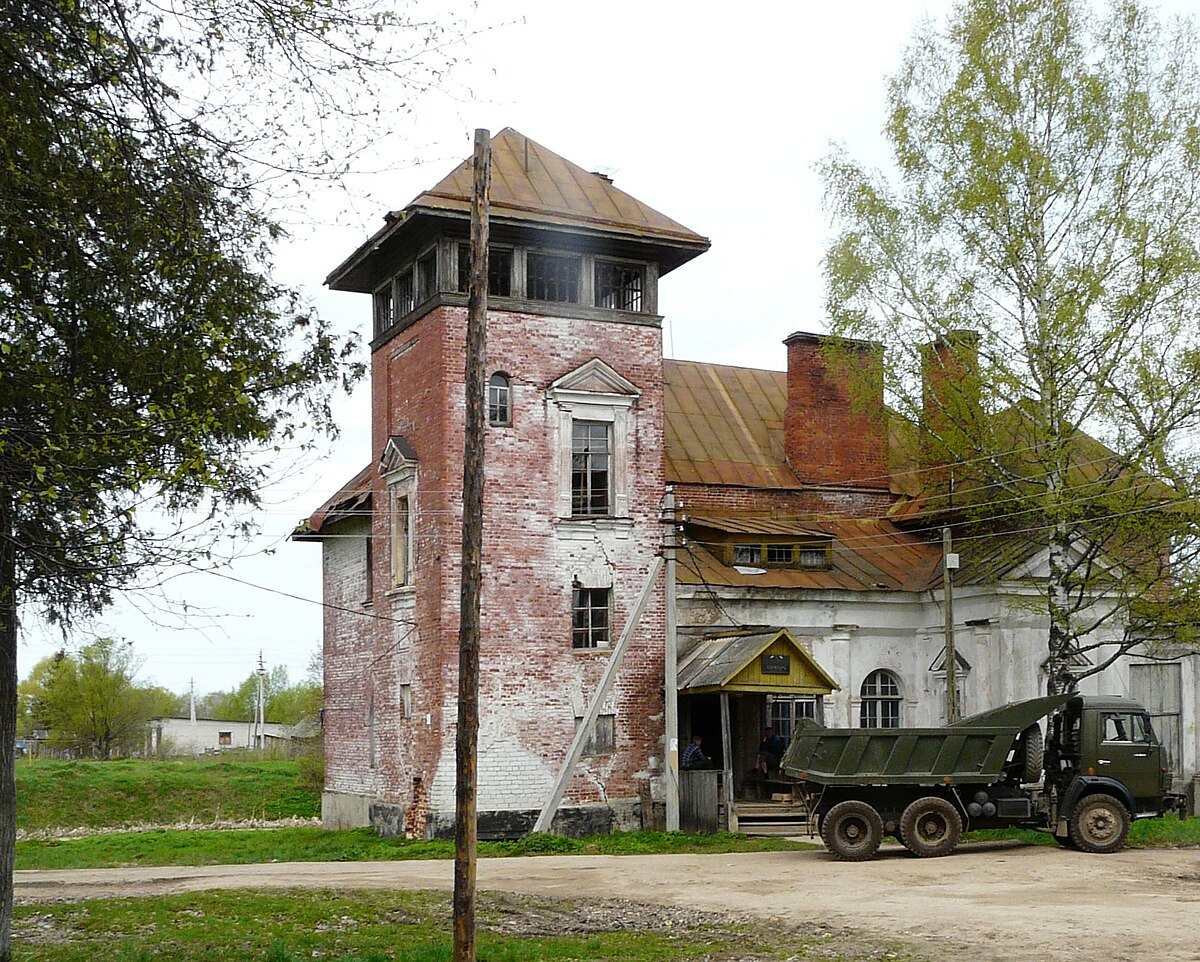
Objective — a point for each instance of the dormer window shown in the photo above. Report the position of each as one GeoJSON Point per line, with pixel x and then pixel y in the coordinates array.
{"type": "Point", "coordinates": [552, 277]}
{"type": "Point", "coordinates": [779, 554]}
{"type": "Point", "coordinates": [620, 286]}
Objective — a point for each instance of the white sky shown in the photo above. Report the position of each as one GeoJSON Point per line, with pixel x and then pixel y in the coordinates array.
{"type": "Point", "coordinates": [714, 114]}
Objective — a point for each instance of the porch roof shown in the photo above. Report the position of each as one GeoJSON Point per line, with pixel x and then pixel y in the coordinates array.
{"type": "Point", "coordinates": [727, 661]}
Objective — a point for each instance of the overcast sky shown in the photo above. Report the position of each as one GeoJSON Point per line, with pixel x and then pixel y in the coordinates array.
{"type": "Point", "coordinates": [714, 114]}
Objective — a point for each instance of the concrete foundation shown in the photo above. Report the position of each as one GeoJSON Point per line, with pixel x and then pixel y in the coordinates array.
{"type": "Point", "coordinates": [342, 810]}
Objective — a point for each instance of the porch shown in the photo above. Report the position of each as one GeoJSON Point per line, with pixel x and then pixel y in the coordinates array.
{"type": "Point", "coordinates": [732, 686]}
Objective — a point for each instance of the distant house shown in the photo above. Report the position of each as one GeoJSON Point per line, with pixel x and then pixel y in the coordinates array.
{"type": "Point", "coordinates": [183, 736]}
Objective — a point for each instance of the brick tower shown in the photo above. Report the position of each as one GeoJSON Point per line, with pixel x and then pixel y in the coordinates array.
{"type": "Point", "coordinates": [574, 480]}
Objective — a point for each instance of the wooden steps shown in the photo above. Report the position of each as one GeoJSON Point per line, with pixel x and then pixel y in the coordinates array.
{"type": "Point", "coordinates": [769, 818]}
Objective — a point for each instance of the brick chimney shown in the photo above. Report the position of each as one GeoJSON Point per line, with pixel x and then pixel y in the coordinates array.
{"type": "Point", "coordinates": [949, 394]}
{"type": "Point", "coordinates": [835, 430]}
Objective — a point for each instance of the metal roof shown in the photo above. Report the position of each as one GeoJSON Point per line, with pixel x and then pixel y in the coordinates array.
{"type": "Point", "coordinates": [717, 659]}
{"type": "Point", "coordinates": [532, 186]}
{"type": "Point", "coordinates": [724, 425]}
{"type": "Point", "coordinates": [531, 182]}
{"type": "Point", "coordinates": [754, 524]}
{"type": "Point", "coordinates": [352, 501]}
{"type": "Point", "coordinates": [868, 555]}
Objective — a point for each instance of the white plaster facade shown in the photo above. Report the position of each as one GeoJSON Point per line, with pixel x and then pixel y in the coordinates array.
{"type": "Point", "coordinates": [998, 633]}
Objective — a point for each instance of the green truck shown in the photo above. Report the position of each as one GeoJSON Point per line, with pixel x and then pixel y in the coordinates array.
{"type": "Point", "coordinates": [1098, 767]}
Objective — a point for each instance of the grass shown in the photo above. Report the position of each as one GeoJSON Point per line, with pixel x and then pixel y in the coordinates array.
{"type": "Point", "coordinates": [56, 794]}
{"type": "Point", "coordinates": [369, 926]}
{"type": "Point", "coordinates": [209, 847]}
{"type": "Point", "coordinates": [358, 845]}
{"type": "Point", "coordinates": [1166, 832]}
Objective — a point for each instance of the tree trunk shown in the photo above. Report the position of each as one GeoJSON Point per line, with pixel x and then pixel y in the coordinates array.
{"type": "Point", "coordinates": [8, 719]}
{"type": "Point", "coordinates": [1061, 679]}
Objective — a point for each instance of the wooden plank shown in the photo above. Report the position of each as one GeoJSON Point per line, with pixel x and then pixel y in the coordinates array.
{"type": "Point", "coordinates": [727, 755]}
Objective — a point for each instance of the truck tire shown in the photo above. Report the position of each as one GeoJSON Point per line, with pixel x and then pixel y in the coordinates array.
{"type": "Point", "coordinates": [1099, 824]}
{"type": "Point", "coordinates": [852, 831]}
{"type": "Point", "coordinates": [1033, 745]}
{"type": "Point", "coordinates": [930, 827]}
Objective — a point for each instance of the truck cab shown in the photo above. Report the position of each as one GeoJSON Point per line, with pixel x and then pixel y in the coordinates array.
{"type": "Point", "coordinates": [1105, 745]}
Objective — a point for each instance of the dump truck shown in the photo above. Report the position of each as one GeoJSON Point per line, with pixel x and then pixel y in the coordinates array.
{"type": "Point", "coordinates": [1097, 767]}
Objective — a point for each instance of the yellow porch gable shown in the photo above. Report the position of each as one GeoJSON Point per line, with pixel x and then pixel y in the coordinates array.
{"type": "Point", "coordinates": [773, 663]}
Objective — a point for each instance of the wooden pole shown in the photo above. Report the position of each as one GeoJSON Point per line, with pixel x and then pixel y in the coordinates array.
{"type": "Point", "coordinates": [471, 566]}
{"type": "Point", "coordinates": [670, 663]}
{"type": "Point", "coordinates": [727, 755]}
{"type": "Point", "coordinates": [949, 563]}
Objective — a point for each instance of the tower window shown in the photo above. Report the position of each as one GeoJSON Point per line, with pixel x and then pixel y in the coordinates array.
{"type": "Point", "coordinates": [589, 617]}
{"type": "Point", "coordinates": [591, 445]}
{"type": "Point", "coordinates": [552, 277]}
{"type": "Point", "coordinates": [427, 284]}
{"type": "Point", "coordinates": [384, 309]}
{"type": "Point", "coordinates": [499, 400]}
{"type": "Point", "coordinates": [499, 271]}
{"type": "Point", "coordinates": [619, 286]}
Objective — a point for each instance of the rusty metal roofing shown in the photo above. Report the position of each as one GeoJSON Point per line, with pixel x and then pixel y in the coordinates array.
{"type": "Point", "coordinates": [531, 182]}
{"type": "Point", "coordinates": [867, 555]}
{"type": "Point", "coordinates": [353, 500]}
{"type": "Point", "coordinates": [724, 425]}
{"type": "Point", "coordinates": [740, 523]}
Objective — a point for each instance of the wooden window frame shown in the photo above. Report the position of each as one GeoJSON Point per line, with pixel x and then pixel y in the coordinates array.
{"type": "Point", "coordinates": [583, 494]}
{"type": "Point", "coordinates": [762, 551]}
{"type": "Point", "coordinates": [622, 298]}
{"type": "Point", "coordinates": [589, 632]}
{"type": "Point", "coordinates": [533, 254]}
{"type": "Point", "coordinates": [497, 418]}
{"type": "Point", "coordinates": [873, 700]}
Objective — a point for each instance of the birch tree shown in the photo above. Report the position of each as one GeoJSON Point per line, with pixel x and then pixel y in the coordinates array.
{"type": "Point", "coordinates": [1031, 266]}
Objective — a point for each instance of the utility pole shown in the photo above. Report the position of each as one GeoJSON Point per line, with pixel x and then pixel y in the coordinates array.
{"type": "Point", "coordinates": [949, 566]}
{"type": "Point", "coordinates": [471, 565]}
{"type": "Point", "coordinates": [260, 719]}
{"type": "Point", "coordinates": [192, 712]}
{"type": "Point", "coordinates": [670, 659]}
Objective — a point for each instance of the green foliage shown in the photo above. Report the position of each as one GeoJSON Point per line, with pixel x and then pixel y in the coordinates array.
{"type": "Point", "coordinates": [54, 794]}
{"type": "Point", "coordinates": [247, 926]}
{"type": "Point", "coordinates": [1043, 227]}
{"type": "Point", "coordinates": [150, 361]}
{"type": "Point", "coordinates": [91, 703]}
{"type": "Point", "coordinates": [286, 703]}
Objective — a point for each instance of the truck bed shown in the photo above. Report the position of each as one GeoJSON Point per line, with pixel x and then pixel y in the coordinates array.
{"type": "Point", "coordinates": [972, 751]}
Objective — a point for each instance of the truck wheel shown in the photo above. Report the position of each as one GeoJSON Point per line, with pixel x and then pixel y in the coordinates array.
{"type": "Point", "coordinates": [930, 827]}
{"type": "Point", "coordinates": [852, 831]}
{"type": "Point", "coordinates": [1034, 751]}
{"type": "Point", "coordinates": [1099, 824]}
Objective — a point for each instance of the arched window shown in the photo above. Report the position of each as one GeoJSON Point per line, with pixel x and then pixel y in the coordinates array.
{"type": "Point", "coordinates": [499, 400]}
{"type": "Point", "coordinates": [880, 706]}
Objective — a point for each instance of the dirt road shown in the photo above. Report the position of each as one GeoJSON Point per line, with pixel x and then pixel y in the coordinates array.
{"type": "Point", "coordinates": [988, 902]}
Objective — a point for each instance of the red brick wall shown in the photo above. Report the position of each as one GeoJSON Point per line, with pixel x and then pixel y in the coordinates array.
{"type": "Point", "coordinates": [834, 427]}
{"type": "Point", "coordinates": [532, 682]}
